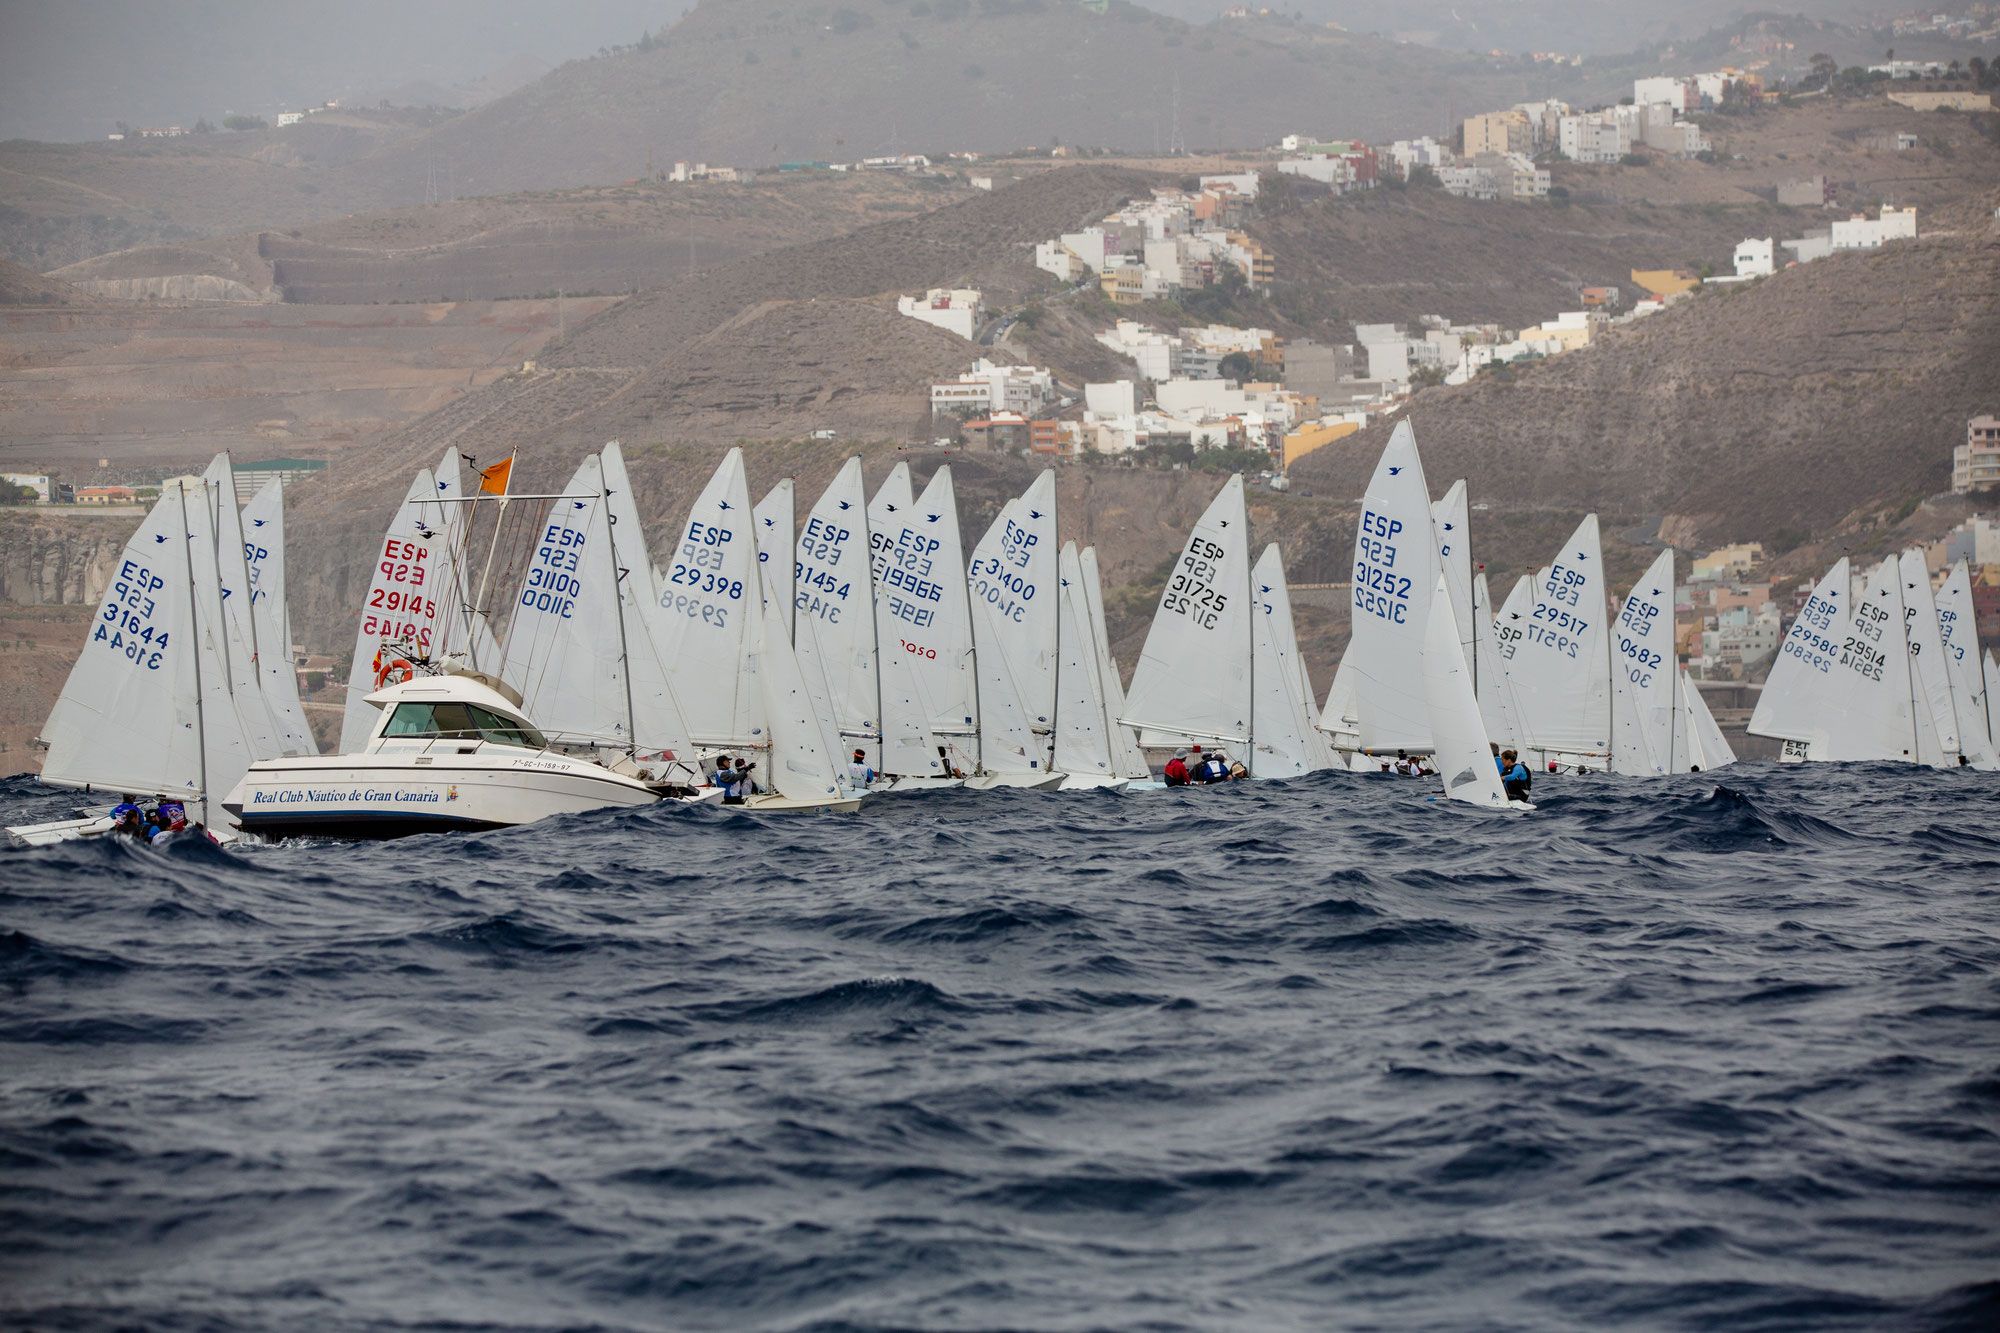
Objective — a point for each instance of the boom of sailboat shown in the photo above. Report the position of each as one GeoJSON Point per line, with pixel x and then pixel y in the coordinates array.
{"type": "Point", "coordinates": [518, 656]}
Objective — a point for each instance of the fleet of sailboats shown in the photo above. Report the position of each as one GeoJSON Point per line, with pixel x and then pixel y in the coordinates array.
{"type": "Point", "coordinates": [865, 650]}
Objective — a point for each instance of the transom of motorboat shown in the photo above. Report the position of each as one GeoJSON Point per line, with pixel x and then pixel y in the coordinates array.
{"type": "Point", "coordinates": [450, 751]}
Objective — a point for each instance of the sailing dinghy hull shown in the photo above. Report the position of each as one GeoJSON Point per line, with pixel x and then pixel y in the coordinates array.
{"type": "Point", "coordinates": [1015, 781]}
{"type": "Point", "coordinates": [370, 796]}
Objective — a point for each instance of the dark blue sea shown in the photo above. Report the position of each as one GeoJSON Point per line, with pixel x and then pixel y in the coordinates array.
{"type": "Point", "coordinates": [1719, 1052]}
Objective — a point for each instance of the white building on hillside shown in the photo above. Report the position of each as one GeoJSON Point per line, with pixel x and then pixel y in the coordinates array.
{"type": "Point", "coordinates": [1593, 138]}
{"type": "Point", "coordinates": [1863, 233]}
{"type": "Point", "coordinates": [955, 310]}
{"type": "Point", "coordinates": [990, 388]}
{"type": "Point", "coordinates": [1673, 91]}
{"type": "Point", "coordinates": [1057, 258]}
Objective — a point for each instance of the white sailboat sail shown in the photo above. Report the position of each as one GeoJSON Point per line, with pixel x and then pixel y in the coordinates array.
{"type": "Point", "coordinates": [1450, 521]}
{"type": "Point", "coordinates": [465, 630]}
{"type": "Point", "coordinates": [1933, 680]}
{"type": "Point", "coordinates": [659, 724]}
{"type": "Point", "coordinates": [227, 559]}
{"type": "Point", "coordinates": [264, 555]}
{"type": "Point", "coordinates": [1700, 740]}
{"type": "Point", "coordinates": [1801, 681]}
{"type": "Point", "coordinates": [1560, 667]}
{"type": "Point", "coordinates": [1489, 675]}
{"type": "Point", "coordinates": [1644, 676]}
{"type": "Point", "coordinates": [1007, 740]}
{"type": "Point", "coordinates": [577, 649]}
{"type": "Point", "coordinates": [1340, 719]}
{"type": "Point", "coordinates": [129, 718]}
{"type": "Point", "coordinates": [800, 766]}
{"type": "Point", "coordinates": [709, 609]}
{"type": "Point", "coordinates": [834, 622]}
{"type": "Point", "coordinates": [1992, 673]}
{"type": "Point", "coordinates": [1083, 739]}
{"type": "Point", "coordinates": [1288, 743]}
{"type": "Point", "coordinates": [947, 676]}
{"type": "Point", "coordinates": [1193, 677]}
{"type": "Point", "coordinates": [1395, 572]}
{"type": "Point", "coordinates": [1022, 571]}
{"type": "Point", "coordinates": [777, 530]}
{"type": "Point", "coordinates": [1127, 756]}
{"type": "Point", "coordinates": [1459, 747]}
{"type": "Point", "coordinates": [902, 564]}
{"type": "Point", "coordinates": [1870, 710]}
{"type": "Point", "coordinates": [1960, 637]}
{"type": "Point", "coordinates": [405, 611]}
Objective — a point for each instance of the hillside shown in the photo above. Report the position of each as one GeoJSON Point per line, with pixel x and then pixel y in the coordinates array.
{"type": "Point", "coordinates": [1802, 401]}
{"type": "Point", "coordinates": [798, 80]}
{"type": "Point", "coordinates": [20, 285]}
{"type": "Point", "coordinates": [609, 239]}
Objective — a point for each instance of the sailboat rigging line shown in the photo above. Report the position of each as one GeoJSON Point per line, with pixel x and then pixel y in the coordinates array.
{"type": "Point", "coordinates": [1250, 600]}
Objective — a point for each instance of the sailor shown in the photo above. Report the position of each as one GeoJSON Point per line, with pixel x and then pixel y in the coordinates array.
{"type": "Point", "coordinates": [1214, 768]}
{"type": "Point", "coordinates": [175, 815]}
{"type": "Point", "coordinates": [858, 772]}
{"type": "Point", "coordinates": [1236, 769]}
{"type": "Point", "coordinates": [1406, 766]}
{"type": "Point", "coordinates": [127, 821]}
{"type": "Point", "coordinates": [1176, 774]}
{"type": "Point", "coordinates": [734, 779]}
{"type": "Point", "coordinates": [1514, 776]}
{"type": "Point", "coordinates": [950, 769]}
{"type": "Point", "coordinates": [1498, 762]}
{"type": "Point", "coordinates": [156, 824]}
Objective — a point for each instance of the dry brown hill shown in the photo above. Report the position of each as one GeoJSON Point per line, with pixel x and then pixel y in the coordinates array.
{"type": "Point", "coordinates": [610, 239]}
{"type": "Point", "coordinates": [20, 285]}
{"type": "Point", "coordinates": [1796, 402]}
{"type": "Point", "coordinates": [796, 80]}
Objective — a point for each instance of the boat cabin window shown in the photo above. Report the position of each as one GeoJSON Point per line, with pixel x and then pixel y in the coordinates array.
{"type": "Point", "coordinates": [464, 722]}
{"type": "Point", "coordinates": [502, 732]}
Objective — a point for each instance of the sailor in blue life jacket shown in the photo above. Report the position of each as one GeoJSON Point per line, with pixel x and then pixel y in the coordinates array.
{"type": "Point", "coordinates": [734, 779]}
{"type": "Point", "coordinates": [1214, 768]}
{"type": "Point", "coordinates": [129, 821]}
{"type": "Point", "coordinates": [858, 772]}
{"type": "Point", "coordinates": [1514, 776]}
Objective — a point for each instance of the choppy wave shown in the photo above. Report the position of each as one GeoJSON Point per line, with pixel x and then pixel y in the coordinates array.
{"type": "Point", "coordinates": [1718, 1052]}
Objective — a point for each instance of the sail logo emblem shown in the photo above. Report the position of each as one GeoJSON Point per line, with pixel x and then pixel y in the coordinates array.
{"type": "Point", "coordinates": [451, 793]}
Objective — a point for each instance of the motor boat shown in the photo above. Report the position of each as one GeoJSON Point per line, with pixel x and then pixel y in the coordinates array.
{"type": "Point", "coordinates": [450, 751]}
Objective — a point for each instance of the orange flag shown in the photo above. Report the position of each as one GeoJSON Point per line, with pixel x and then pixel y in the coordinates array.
{"type": "Point", "coordinates": [493, 480]}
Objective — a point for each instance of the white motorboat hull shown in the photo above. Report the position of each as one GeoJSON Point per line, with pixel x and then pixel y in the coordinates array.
{"type": "Point", "coordinates": [1018, 781]}
{"type": "Point", "coordinates": [388, 795]}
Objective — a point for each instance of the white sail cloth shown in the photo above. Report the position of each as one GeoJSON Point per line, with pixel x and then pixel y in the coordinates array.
{"type": "Point", "coordinates": [1560, 667]}
{"type": "Point", "coordinates": [1287, 741]}
{"type": "Point", "coordinates": [263, 522]}
{"type": "Point", "coordinates": [1396, 569]}
{"type": "Point", "coordinates": [703, 610]}
{"type": "Point", "coordinates": [777, 530]}
{"type": "Point", "coordinates": [1645, 677]}
{"type": "Point", "coordinates": [834, 619]}
{"type": "Point", "coordinates": [1193, 676]}
{"type": "Point", "coordinates": [903, 568]}
{"type": "Point", "coordinates": [1459, 749]}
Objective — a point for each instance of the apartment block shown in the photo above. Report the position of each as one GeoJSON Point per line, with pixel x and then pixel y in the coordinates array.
{"type": "Point", "coordinates": [1976, 463]}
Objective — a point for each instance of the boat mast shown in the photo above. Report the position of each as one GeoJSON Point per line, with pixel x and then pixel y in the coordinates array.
{"type": "Point", "coordinates": [875, 629]}
{"type": "Point", "coordinates": [194, 643]}
{"type": "Point", "coordinates": [618, 600]}
{"type": "Point", "coordinates": [1250, 592]}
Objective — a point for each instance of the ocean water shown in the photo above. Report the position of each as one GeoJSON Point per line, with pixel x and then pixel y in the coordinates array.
{"type": "Point", "coordinates": [1719, 1052]}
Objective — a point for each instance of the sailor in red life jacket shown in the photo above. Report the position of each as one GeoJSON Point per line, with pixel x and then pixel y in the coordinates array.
{"type": "Point", "coordinates": [1176, 774]}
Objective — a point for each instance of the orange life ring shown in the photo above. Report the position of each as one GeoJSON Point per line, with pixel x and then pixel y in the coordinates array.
{"type": "Point", "coordinates": [389, 669]}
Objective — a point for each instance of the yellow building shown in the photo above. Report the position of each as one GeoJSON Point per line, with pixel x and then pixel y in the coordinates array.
{"type": "Point", "coordinates": [1125, 286]}
{"type": "Point", "coordinates": [1499, 132]}
{"type": "Point", "coordinates": [1310, 437]}
{"type": "Point", "coordinates": [1665, 281]}
{"type": "Point", "coordinates": [1728, 560]}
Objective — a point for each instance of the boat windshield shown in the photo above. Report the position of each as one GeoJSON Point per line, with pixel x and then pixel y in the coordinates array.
{"type": "Point", "coordinates": [462, 722]}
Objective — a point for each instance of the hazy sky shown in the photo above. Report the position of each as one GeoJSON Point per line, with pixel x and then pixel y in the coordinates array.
{"type": "Point", "coordinates": [70, 69]}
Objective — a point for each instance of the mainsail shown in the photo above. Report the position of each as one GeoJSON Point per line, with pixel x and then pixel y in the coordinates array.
{"type": "Point", "coordinates": [1287, 741]}
{"type": "Point", "coordinates": [1129, 759]}
{"type": "Point", "coordinates": [903, 567]}
{"type": "Point", "coordinates": [406, 610]}
{"type": "Point", "coordinates": [1007, 740]}
{"type": "Point", "coordinates": [1962, 664]}
{"type": "Point", "coordinates": [1396, 569]}
{"type": "Point", "coordinates": [777, 529]}
{"type": "Point", "coordinates": [703, 610]}
{"type": "Point", "coordinates": [835, 616]}
{"type": "Point", "coordinates": [1933, 681]}
{"type": "Point", "coordinates": [1560, 667]}
{"type": "Point", "coordinates": [1644, 676]}
{"type": "Point", "coordinates": [264, 553]}
{"type": "Point", "coordinates": [1083, 728]}
{"type": "Point", "coordinates": [1193, 676]}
